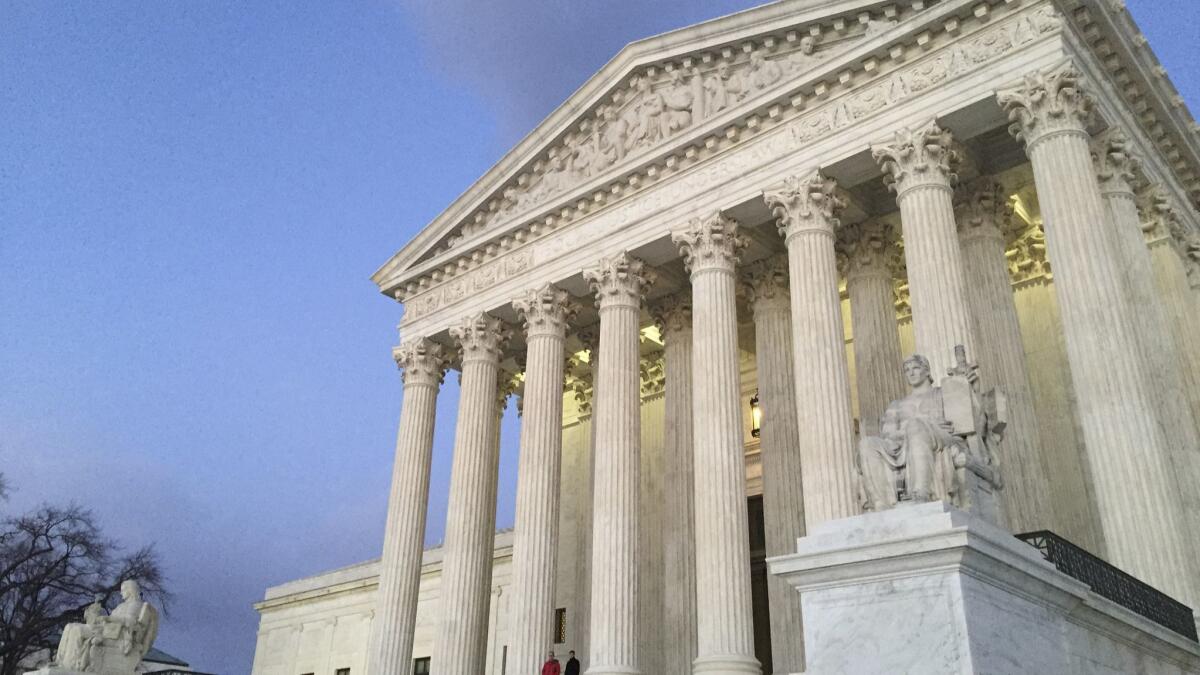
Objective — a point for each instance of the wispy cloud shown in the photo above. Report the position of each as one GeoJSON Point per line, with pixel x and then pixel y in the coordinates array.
{"type": "Point", "coordinates": [525, 57]}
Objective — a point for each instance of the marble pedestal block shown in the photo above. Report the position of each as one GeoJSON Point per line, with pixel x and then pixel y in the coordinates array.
{"type": "Point", "coordinates": [931, 589]}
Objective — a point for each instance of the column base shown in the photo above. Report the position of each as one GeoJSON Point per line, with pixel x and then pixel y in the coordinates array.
{"type": "Point", "coordinates": [931, 589]}
{"type": "Point", "coordinates": [726, 665]}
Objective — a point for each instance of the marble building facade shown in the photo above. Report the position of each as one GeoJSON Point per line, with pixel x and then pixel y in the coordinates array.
{"type": "Point", "coordinates": [783, 202]}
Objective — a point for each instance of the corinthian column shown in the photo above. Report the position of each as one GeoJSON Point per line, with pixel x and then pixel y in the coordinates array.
{"type": "Point", "coordinates": [984, 222]}
{"type": "Point", "coordinates": [545, 311]}
{"type": "Point", "coordinates": [422, 365]}
{"type": "Point", "coordinates": [807, 208]}
{"type": "Point", "coordinates": [1127, 451]}
{"type": "Point", "coordinates": [869, 255]}
{"type": "Point", "coordinates": [918, 164]}
{"type": "Point", "coordinates": [1168, 244]}
{"type": "Point", "coordinates": [724, 613]}
{"type": "Point", "coordinates": [461, 645]}
{"type": "Point", "coordinates": [783, 499]}
{"type": "Point", "coordinates": [1116, 168]}
{"type": "Point", "coordinates": [618, 283]}
{"type": "Point", "coordinates": [674, 318]}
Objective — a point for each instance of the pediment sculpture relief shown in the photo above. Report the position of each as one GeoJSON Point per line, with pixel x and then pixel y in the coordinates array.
{"type": "Point", "coordinates": [655, 106]}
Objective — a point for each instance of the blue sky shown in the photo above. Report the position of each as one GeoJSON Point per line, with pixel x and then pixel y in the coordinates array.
{"type": "Point", "coordinates": [192, 198]}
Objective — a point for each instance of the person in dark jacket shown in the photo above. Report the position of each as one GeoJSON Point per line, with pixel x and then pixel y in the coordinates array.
{"type": "Point", "coordinates": [572, 664]}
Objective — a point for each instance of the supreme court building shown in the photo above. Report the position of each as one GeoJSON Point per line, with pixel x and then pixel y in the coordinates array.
{"type": "Point", "coordinates": [696, 281]}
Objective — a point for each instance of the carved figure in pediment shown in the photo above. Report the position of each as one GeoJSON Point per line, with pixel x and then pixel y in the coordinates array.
{"type": "Point", "coordinates": [722, 89]}
{"type": "Point", "coordinates": [610, 143]}
{"type": "Point", "coordinates": [804, 58]}
{"type": "Point", "coordinates": [763, 73]}
{"type": "Point", "coordinates": [678, 99]}
{"type": "Point", "coordinates": [649, 125]}
{"type": "Point", "coordinates": [582, 155]}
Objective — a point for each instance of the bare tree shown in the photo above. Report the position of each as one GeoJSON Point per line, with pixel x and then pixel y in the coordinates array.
{"type": "Point", "coordinates": [53, 563]}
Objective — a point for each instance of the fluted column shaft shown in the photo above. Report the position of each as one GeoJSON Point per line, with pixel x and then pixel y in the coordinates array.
{"type": "Point", "coordinates": [618, 284]}
{"type": "Point", "coordinates": [1127, 451]}
{"type": "Point", "coordinates": [423, 365]}
{"type": "Point", "coordinates": [1182, 312]}
{"type": "Point", "coordinates": [679, 565]}
{"type": "Point", "coordinates": [535, 538]}
{"type": "Point", "coordinates": [919, 163]}
{"type": "Point", "coordinates": [724, 612]}
{"type": "Point", "coordinates": [461, 645]}
{"type": "Point", "coordinates": [583, 613]}
{"type": "Point", "coordinates": [783, 498]}
{"type": "Point", "coordinates": [870, 255]}
{"type": "Point", "coordinates": [1158, 349]}
{"type": "Point", "coordinates": [984, 217]}
{"type": "Point", "coordinates": [806, 208]}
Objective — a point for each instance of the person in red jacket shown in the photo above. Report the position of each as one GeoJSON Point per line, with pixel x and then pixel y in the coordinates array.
{"type": "Point", "coordinates": [550, 667]}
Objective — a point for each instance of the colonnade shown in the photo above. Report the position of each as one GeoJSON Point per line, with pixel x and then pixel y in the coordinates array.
{"type": "Point", "coordinates": [1127, 332]}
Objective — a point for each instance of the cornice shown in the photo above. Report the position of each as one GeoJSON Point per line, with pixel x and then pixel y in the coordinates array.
{"type": "Point", "coordinates": [1107, 32]}
{"type": "Point", "coordinates": [863, 62]}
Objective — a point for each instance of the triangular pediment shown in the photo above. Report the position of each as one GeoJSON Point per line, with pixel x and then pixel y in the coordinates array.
{"type": "Point", "coordinates": [653, 92]}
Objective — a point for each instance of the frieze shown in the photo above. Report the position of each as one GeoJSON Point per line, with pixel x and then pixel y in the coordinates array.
{"type": "Point", "coordinates": [813, 121]}
{"type": "Point", "coordinates": [480, 279]}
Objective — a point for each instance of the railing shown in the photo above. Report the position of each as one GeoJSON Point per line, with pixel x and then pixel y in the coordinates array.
{"type": "Point", "coordinates": [1112, 583]}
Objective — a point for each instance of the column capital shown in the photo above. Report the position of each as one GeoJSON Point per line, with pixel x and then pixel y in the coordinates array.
{"type": "Point", "coordinates": [652, 374]}
{"type": "Point", "coordinates": [1116, 164]}
{"type": "Point", "coordinates": [869, 248]}
{"type": "Point", "coordinates": [765, 283]}
{"type": "Point", "coordinates": [1027, 258]}
{"type": "Point", "coordinates": [673, 314]}
{"type": "Point", "coordinates": [917, 157]}
{"type": "Point", "coordinates": [481, 337]}
{"type": "Point", "coordinates": [710, 243]}
{"type": "Point", "coordinates": [1047, 102]}
{"type": "Point", "coordinates": [581, 384]}
{"type": "Point", "coordinates": [982, 209]}
{"type": "Point", "coordinates": [545, 310]}
{"type": "Point", "coordinates": [507, 384]}
{"type": "Point", "coordinates": [805, 204]}
{"type": "Point", "coordinates": [619, 281]}
{"type": "Point", "coordinates": [1160, 217]}
{"type": "Point", "coordinates": [421, 362]}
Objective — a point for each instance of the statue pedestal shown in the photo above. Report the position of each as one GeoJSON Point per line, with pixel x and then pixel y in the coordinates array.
{"type": "Point", "coordinates": [928, 588]}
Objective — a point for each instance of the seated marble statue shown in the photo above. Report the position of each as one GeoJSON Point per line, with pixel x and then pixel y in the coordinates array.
{"type": "Point", "coordinates": [110, 644]}
{"type": "Point", "coordinates": [937, 443]}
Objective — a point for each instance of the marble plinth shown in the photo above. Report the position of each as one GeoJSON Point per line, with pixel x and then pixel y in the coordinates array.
{"type": "Point", "coordinates": [931, 589]}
